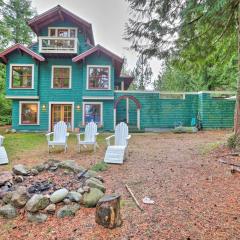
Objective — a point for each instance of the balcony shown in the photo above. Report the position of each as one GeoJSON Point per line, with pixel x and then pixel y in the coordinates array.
{"type": "Point", "coordinates": [58, 45]}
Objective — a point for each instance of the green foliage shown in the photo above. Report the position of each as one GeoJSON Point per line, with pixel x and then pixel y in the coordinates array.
{"type": "Point", "coordinates": [233, 141]}
{"type": "Point", "coordinates": [99, 167]}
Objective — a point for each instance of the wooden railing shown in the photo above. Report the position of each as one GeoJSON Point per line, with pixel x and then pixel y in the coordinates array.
{"type": "Point", "coordinates": [58, 45]}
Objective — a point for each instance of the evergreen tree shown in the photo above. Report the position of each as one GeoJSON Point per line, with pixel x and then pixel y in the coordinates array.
{"type": "Point", "coordinates": [142, 72]}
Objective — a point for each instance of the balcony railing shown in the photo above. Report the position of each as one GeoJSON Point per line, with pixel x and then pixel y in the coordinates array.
{"type": "Point", "coordinates": [58, 45]}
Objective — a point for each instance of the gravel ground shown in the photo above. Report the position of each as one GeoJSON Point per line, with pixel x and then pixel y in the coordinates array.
{"type": "Point", "coordinates": [195, 196]}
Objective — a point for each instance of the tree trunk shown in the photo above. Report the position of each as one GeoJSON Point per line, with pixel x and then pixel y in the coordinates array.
{"type": "Point", "coordinates": [108, 211]}
{"type": "Point", "coordinates": [237, 106]}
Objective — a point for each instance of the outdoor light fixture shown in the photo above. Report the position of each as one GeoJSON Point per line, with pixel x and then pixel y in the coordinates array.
{"type": "Point", "coordinates": [44, 107]}
{"type": "Point", "coordinates": [78, 107]}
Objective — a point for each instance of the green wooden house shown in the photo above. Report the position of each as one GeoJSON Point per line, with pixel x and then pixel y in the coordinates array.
{"type": "Point", "coordinates": [65, 76]}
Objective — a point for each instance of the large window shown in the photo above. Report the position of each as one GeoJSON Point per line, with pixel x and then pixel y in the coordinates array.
{"type": "Point", "coordinates": [29, 113]}
{"type": "Point", "coordinates": [21, 76]}
{"type": "Point", "coordinates": [62, 32]}
{"type": "Point", "coordinates": [61, 77]}
{"type": "Point", "coordinates": [92, 112]}
{"type": "Point", "coordinates": [98, 77]}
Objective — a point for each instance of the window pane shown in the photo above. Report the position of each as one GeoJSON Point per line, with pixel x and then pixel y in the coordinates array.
{"type": "Point", "coordinates": [63, 33]}
{"type": "Point", "coordinates": [52, 32]}
{"type": "Point", "coordinates": [92, 113]}
{"type": "Point", "coordinates": [72, 33]}
{"type": "Point", "coordinates": [61, 77]}
{"type": "Point", "coordinates": [29, 113]}
{"type": "Point", "coordinates": [98, 78]}
{"type": "Point", "coordinates": [22, 76]}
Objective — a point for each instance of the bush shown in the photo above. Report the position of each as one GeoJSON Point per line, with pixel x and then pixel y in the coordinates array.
{"type": "Point", "coordinates": [99, 167]}
{"type": "Point", "coordinates": [5, 120]}
{"type": "Point", "coordinates": [233, 141]}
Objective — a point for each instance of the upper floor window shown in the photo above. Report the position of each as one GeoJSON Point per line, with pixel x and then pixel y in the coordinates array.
{"type": "Point", "coordinates": [62, 32]}
{"type": "Point", "coordinates": [98, 77]}
{"type": "Point", "coordinates": [21, 76]}
{"type": "Point", "coordinates": [61, 76]}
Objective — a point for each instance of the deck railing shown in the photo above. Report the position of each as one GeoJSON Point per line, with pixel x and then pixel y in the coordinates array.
{"type": "Point", "coordinates": [58, 45]}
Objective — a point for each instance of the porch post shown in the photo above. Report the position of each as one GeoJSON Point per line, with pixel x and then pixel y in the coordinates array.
{"type": "Point", "coordinates": [114, 117]}
{"type": "Point", "coordinates": [127, 110]}
{"type": "Point", "coordinates": [138, 118]}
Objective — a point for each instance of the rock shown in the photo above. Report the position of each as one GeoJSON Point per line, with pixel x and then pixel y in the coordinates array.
{"type": "Point", "coordinates": [67, 201]}
{"type": "Point", "coordinates": [8, 211]}
{"type": "Point", "coordinates": [20, 197]}
{"type": "Point", "coordinates": [37, 202]}
{"type": "Point", "coordinates": [18, 179]}
{"type": "Point", "coordinates": [86, 189]}
{"type": "Point", "coordinates": [20, 169]}
{"type": "Point", "coordinates": [95, 183]}
{"type": "Point", "coordinates": [5, 177]}
{"type": "Point", "coordinates": [90, 173]}
{"type": "Point", "coordinates": [37, 217]}
{"type": "Point", "coordinates": [50, 208]}
{"type": "Point", "coordinates": [74, 196]}
{"type": "Point", "coordinates": [81, 190]}
{"type": "Point", "coordinates": [3, 191]}
{"type": "Point", "coordinates": [40, 167]}
{"type": "Point", "coordinates": [59, 195]}
{"type": "Point", "coordinates": [34, 172]}
{"type": "Point", "coordinates": [71, 165]}
{"type": "Point", "coordinates": [13, 130]}
{"type": "Point", "coordinates": [7, 197]}
{"type": "Point", "coordinates": [68, 210]}
{"type": "Point", "coordinates": [90, 199]}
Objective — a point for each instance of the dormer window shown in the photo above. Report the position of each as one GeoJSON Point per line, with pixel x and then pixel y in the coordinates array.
{"type": "Point", "coordinates": [62, 32]}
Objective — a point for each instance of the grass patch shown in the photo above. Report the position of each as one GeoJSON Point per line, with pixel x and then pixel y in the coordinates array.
{"type": "Point", "coordinates": [207, 148]}
{"type": "Point", "coordinates": [99, 167]}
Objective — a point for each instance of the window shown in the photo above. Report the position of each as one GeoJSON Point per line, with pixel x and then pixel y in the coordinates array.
{"type": "Point", "coordinates": [21, 76]}
{"type": "Point", "coordinates": [61, 77]}
{"type": "Point", "coordinates": [62, 32]}
{"type": "Point", "coordinates": [92, 112]}
{"type": "Point", "coordinates": [98, 77]}
{"type": "Point", "coordinates": [29, 113]}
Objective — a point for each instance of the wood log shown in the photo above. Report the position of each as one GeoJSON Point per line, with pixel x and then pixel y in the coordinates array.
{"type": "Point", "coordinates": [108, 211]}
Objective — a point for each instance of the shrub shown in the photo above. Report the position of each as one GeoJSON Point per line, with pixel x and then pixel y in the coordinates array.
{"type": "Point", "coordinates": [233, 141]}
{"type": "Point", "coordinates": [99, 167]}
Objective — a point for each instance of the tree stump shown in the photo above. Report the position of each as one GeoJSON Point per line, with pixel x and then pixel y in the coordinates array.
{"type": "Point", "coordinates": [108, 211]}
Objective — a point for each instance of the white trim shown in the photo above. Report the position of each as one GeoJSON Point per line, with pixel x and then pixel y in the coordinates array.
{"type": "Point", "coordinates": [138, 118]}
{"type": "Point", "coordinates": [70, 75]}
{"type": "Point", "coordinates": [21, 65]}
{"type": "Point", "coordinates": [122, 85]}
{"type": "Point", "coordinates": [22, 97]}
{"type": "Point", "coordinates": [114, 117]}
{"type": "Point", "coordinates": [127, 110]}
{"type": "Point", "coordinates": [101, 111]}
{"type": "Point", "coordinates": [50, 113]}
{"type": "Point", "coordinates": [20, 113]}
{"type": "Point", "coordinates": [97, 98]}
{"type": "Point", "coordinates": [109, 81]}
{"type": "Point", "coordinates": [68, 28]}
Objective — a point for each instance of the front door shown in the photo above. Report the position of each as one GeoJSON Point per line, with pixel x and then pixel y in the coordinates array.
{"type": "Point", "coordinates": [61, 112]}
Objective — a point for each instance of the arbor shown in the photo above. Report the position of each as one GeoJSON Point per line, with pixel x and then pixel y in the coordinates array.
{"type": "Point", "coordinates": [165, 28]}
{"type": "Point", "coordinates": [142, 72]}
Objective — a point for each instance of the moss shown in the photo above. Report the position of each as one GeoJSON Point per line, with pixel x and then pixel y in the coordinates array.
{"type": "Point", "coordinates": [99, 167]}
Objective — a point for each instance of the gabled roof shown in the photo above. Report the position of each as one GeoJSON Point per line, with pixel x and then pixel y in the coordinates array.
{"type": "Point", "coordinates": [118, 61]}
{"type": "Point", "coordinates": [18, 46]}
{"type": "Point", "coordinates": [60, 13]}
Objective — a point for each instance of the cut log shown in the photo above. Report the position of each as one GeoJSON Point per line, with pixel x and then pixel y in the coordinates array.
{"type": "Point", "coordinates": [108, 211]}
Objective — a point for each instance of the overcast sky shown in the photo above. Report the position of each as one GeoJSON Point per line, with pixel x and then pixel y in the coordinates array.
{"type": "Point", "coordinates": [108, 18]}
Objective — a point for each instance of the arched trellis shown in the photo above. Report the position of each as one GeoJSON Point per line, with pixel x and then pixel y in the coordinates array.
{"type": "Point", "coordinates": [127, 97]}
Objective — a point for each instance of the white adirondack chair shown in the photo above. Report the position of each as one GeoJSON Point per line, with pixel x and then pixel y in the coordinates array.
{"type": "Point", "coordinates": [116, 152]}
{"type": "Point", "coordinates": [60, 136]}
{"type": "Point", "coordinates": [3, 153]}
{"type": "Point", "coordinates": [90, 136]}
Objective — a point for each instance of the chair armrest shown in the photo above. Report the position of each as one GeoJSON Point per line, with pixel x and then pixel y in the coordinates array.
{"type": "Point", "coordinates": [108, 139]}
{"type": "Point", "coordinates": [79, 136]}
{"type": "Point", "coordinates": [129, 136]}
{"type": "Point", "coordinates": [48, 135]}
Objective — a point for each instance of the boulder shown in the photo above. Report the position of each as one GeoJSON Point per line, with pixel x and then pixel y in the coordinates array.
{"type": "Point", "coordinates": [7, 197]}
{"type": "Point", "coordinates": [67, 201]}
{"type": "Point", "coordinates": [40, 167]}
{"type": "Point", "coordinates": [5, 177]}
{"type": "Point", "coordinates": [86, 189]}
{"type": "Point", "coordinates": [3, 190]}
{"type": "Point", "coordinates": [74, 196]}
{"type": "Point", "coordinates": [95, 183]}
{"type": "Point", "coordinates": [50, 208]}
{"type": "Point", "coordinates": [8, 211]}
{"type": "Point", "coordinates": [68, 210]}
{"type": "Point", "coordinates": [20, 169]}
{"type": "Point", "coordinates": [81, 190]}
{"type": "Point", "coordinates": [71, 165]}
{"type": "Point", "coordinates": [34, 172]}
{"type": "Point", "coordinates": [37, 202]}
{"type": "Point", "coordinates": [20, 197]}
{"type": "Point", "coordinates": [90, 173]}
{"type": "Point", "coordinates": [37, 217]}
{"type": "Point", "coordinates": [91, 199]}
{"type": "Point", "coordinates": [59, 195]}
